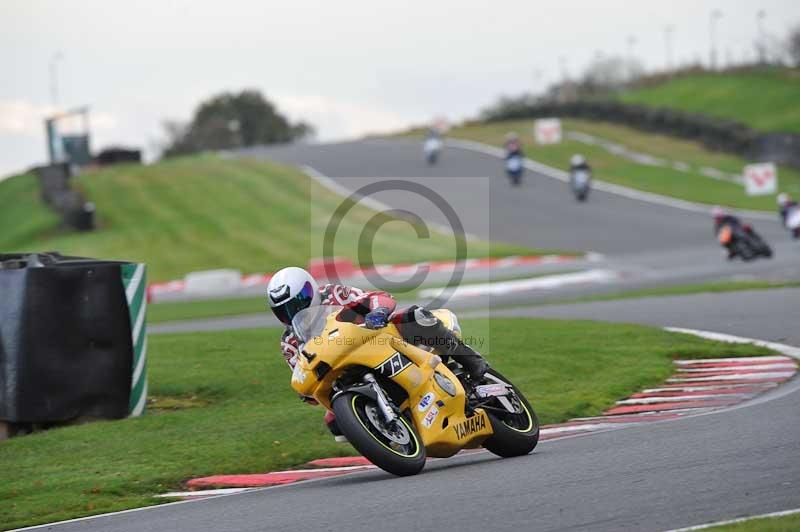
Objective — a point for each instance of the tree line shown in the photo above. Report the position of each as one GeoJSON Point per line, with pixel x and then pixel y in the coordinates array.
{"type": "Point", "coordinates": [231, 120]}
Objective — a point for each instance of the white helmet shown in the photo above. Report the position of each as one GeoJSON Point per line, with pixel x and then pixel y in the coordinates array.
{"type": "Point", "coordinates": [291, 290]}
{"type": "Point", "coordinates": [577, 160]}
{"type": "Point", "coordinates": [783, 198]}
{"type": "Point", "coordinates": [718, 212]}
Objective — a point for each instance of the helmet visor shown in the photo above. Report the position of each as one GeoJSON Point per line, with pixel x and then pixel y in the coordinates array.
{"type": "Point", "coordinates": [302, 300]}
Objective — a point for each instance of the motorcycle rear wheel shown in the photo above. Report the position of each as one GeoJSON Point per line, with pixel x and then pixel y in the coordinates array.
{"type": "Point", "coordinates": [514, 434]}
{"type": "Point", "coordinates": [745, 251]}
{"type": "Point", "coordinates": [396, 449]}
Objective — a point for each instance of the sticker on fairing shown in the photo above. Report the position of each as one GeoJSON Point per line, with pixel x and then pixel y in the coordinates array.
{"type": "Point", "coordinates": [491, 390]}
{"type": "Point", "coordinates": [298, 374]}
{"type": "Point", "coordinates": [430, 417]}
{"type": "Point", "coordinates": [426, 401]}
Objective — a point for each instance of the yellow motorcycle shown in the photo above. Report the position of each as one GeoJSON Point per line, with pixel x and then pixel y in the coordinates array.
{"type": "Point", "coordinates": [398, 403]}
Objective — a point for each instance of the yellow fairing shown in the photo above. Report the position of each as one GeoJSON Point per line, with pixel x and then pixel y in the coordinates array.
{"type": "Point", "coordinates": [438, 416]}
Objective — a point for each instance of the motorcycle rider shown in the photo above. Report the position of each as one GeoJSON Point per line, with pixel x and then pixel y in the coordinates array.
{"type": "Point", "coordinates": [578, 162]}
{"type": "Point", "coordinates": [432, 146]}
{"type": "Point", "coordinates": [433, 134]}
{"type": "Point", "coordinates": [785, 204]}
{"type": "Point", "coordinates": [723, 218]}
{"type": "Point", "coordinates": [293, 289]}
{"type": "Point", "coordinates": [512, 145]}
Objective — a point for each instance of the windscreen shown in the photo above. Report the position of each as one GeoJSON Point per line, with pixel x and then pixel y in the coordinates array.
{"type": "Point", "coordinates": [310, 322]}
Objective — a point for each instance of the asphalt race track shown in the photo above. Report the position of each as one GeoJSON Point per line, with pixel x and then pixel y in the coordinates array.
{"type": "Point", "coordinates": [540, 213]}
{"type": "Point", "coordinates": [741, 461]}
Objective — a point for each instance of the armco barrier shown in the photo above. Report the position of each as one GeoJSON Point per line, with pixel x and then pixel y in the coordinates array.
{"type": "Point", "coordinates": [714, 133]}
{"type": "Point", "coordinates": [72, 340]}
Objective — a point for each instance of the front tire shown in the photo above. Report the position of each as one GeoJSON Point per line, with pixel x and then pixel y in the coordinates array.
{"type": "Point", "coordinates": [395, 449]}
{"type": "Point", "coordinates": [514, 434]}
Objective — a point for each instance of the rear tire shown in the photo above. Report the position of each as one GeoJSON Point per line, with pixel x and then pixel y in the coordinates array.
{"type": "Point", "coordinates": [745, 251]}
{"type": "Point", "coordinates": [515, 436]}
{"type": "Point", "coordinates": [362, 424]}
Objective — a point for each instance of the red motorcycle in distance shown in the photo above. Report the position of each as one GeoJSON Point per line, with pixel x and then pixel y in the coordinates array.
{"type": "Point", "coordinates": [742, 241]}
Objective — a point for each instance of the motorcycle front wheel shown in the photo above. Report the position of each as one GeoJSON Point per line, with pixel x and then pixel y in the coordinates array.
{"type": "Point", "coordinates": [514, 434]}
{"type": "Point", "coordinates": [394, 447]}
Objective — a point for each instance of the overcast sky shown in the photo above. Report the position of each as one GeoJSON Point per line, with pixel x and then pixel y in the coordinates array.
{"type": "Point", "coordinates": [348, 67]}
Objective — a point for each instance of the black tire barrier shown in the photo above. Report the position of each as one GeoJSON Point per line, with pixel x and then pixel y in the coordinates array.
{"type": "Point", "coordinates": [71, 339]}
{"type": "Point", "coordinates": [69, 203]}
{"type": "Point", "coordinates": [716, 134]}
{"type": "Point", "coordinates": [118, 155]}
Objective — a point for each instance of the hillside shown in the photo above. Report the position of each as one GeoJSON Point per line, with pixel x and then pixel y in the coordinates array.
{"type": "Point", "coordinates": [767, 99]}
{"type": "Point", "coordinates": [206, 212]}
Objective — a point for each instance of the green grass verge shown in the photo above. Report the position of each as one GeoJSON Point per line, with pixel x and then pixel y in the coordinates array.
{"type": "Point", "coordinates": [765, 99]}
{"type": "Point", "coordinates": [213, 308]}
{"type": "Point", "coordinates": [787, 523]}
{"type": "Point", "coordinates": [23, 216]}
{"type": "Point", "coordinates": [226, 407]}
{"type": "Point", "coordinates": [206, 212]}
{"type": "Point", "coordinates": [209, 308]}
{"type": "Point", "coordinates": [691, 185]}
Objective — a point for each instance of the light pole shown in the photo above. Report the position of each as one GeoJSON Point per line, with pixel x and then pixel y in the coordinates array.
{"type": "Point", "coordinates": [762, 44]}
{"type": "Point", "coordinates": [712, 23]}
{"type": "Point", "coordinates": [54, 60]}
{"type": "Point", "coordinates": [668, 45]}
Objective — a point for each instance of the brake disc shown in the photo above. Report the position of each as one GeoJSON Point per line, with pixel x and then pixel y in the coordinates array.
{"type": "Point", "coordinates": [397, 432]}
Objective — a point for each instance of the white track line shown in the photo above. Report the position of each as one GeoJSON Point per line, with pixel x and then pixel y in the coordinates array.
{"type": "Point", "coordinates": [720, 337]}
{"type": "Point", "coordinates": [743, 376]}
{"type": "Point", "coordinates": [204, 493]}
{"type": "Point", "coordinates": [604, 186]}
{"type": "Point", "coordinates": [680, 398]}
{"type": "Point", "coordinates": [739, 520]}
{"type": "Point", "coordinates": [787, 350]}
{"type": "Point", "coordinates": [584, 427]}
{"type": "Point", "coordinates": [710, 387]}
{"type": "Point", "coordinates": [790, 366]}
{"type": "Point", "coordinates": [545, 282]}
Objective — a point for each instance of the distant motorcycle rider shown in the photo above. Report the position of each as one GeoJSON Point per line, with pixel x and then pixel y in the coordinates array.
{"type": "Point", "coordinates": [513, 145]}
{"type": "Point", "coordinates": [785, 204]}
{"type": "Point", "coordinates": [433, 133]}
{"type": "Point", "coordinates": [578, 162]}
{"type": "Point", "coordinates": [580, 177]}
{"type": "Point", "coordinates": [723, 218]}
{"type": "Point", "coordinates": [293, 289]}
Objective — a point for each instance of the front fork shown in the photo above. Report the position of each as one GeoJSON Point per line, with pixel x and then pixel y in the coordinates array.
{"type": "Point", "coordinates": [383, 402]}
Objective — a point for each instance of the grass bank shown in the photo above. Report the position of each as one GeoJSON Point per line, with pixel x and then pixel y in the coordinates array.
{"type": "Point", "coordinates": [221, 403]}
{"type": "Point", "coordinates": [786, 523]}
{"type": "Point", "coordinates": [689, 185]}
{"type": "Point", "coordinates": [206, 212]}
{"type": "Point", "coordinates": [765, 99]}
